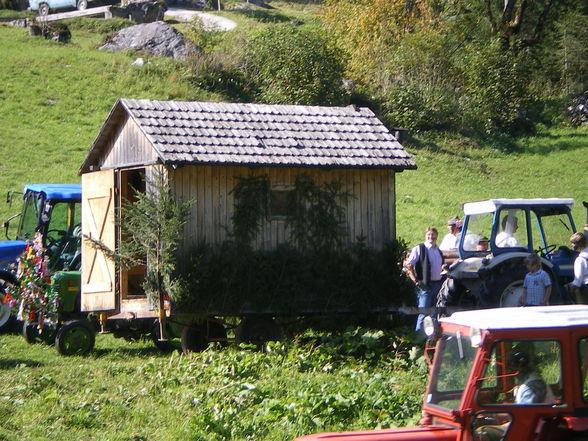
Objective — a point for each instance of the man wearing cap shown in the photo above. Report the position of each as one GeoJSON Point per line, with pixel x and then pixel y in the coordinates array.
{"type": "Point", "coordinates": [449, 241]}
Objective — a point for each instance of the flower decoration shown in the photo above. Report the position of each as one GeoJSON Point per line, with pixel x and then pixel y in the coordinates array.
{"type": "Point", "coordinates": [36, 301]}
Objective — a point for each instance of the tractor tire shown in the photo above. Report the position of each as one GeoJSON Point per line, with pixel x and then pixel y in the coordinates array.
{"type": "Point", "coordinates": [30, 332]}
{"type": "Point", "coordinates": [75, 338]}
{"type": "Point", "coordinates": [503, 287]}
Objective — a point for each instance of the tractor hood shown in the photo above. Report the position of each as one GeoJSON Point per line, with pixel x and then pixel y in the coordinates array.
{"type": "Point", "coordinates": [421, 433]}
{"type": "Point", "coordinates": [9, 252]}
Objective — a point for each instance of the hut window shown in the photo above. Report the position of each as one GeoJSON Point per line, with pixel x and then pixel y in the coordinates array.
{"type": "Point", "coordinates": [281, 202]}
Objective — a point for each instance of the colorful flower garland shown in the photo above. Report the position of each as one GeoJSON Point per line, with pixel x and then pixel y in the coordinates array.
{"type": "Point", "coordinates": [36, 301]}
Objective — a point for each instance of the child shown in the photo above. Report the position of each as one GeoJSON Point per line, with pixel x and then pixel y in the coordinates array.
{"type": "Point", "coordinates": [537, 285]}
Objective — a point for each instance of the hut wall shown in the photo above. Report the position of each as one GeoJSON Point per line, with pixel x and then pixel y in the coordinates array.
{"type": "Point", "coordinates": [369, 212]}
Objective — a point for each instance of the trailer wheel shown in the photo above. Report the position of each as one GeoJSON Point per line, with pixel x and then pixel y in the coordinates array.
{"type": "Point", "coordinates": [216, 333]}
{"type": "Point", "coordinates": [193, 338]}
{"type": "Point", "coordinates": [259, 330]}
{"type": "Point", "coordinates": [75, 338]}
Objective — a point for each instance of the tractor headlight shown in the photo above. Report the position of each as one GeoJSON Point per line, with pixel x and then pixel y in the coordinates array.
{"type": "Point", "coordinates": [476, 337]}
{"type": "Point", "coordinates": [430, 326]}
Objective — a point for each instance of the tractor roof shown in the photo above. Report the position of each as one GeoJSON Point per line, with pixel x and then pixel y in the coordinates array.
{"type": "Point", "coordinates": [492, 205]}
{"type": "Point", "coordinates": [534, 317]}
{"type": "Point", "coordinates": [57, 191]}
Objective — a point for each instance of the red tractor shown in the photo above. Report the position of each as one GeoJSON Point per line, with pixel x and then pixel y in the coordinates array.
{"type": "Point", "coordinates": [512, 374]}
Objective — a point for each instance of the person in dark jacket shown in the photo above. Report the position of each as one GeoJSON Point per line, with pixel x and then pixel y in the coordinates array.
{"type": "Point", "coordinates": [424, 267]}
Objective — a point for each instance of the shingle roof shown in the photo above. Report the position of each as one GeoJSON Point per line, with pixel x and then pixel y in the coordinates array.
{"type": "Point", "coordinates": [246, 134]}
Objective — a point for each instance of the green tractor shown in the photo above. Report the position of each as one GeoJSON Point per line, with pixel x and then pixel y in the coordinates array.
{"type": "Point", "coordinates": [50, 212]}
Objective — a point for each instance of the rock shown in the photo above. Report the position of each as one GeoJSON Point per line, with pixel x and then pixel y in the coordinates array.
{"type": "Point", "coordinates": [138, 62]}
{"type": "Point", "coordinates": [157, 38]}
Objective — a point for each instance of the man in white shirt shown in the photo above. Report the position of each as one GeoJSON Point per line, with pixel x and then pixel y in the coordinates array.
{"type": "Point", "coordinates": [424, 267]}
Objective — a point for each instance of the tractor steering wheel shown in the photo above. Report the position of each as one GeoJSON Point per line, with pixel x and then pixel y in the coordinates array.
{"type": "Point", "coordinates": [545, 251]}
{"type": "Point", "coordinates": [52, 241]}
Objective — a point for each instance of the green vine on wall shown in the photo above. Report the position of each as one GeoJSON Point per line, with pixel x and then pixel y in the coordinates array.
{"type": "Point", "coordinates": [319, 215]}
{"type": "Point", "coordinates": [251, 207]}
{"type": "Point", "coordinates": [317, 212]}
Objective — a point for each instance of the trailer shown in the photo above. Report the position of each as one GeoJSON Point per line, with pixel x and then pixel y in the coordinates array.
{"type": "Point", "coordinates": [208, 153]}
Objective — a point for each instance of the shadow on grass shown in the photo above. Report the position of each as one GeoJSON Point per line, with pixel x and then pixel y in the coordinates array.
{"type": "Point", "coordinates": [128, 352]}
{"type": "Point", "coordinates": [12, 363]}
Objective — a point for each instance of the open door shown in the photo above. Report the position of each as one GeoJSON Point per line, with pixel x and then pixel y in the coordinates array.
{"type": "Point", "coordinates": [98, 222]}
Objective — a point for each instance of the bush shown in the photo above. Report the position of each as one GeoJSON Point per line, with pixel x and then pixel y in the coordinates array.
{"type": "Point", "coordinates": [496, 90]}
{"type": "Point", "coordinates": [216, 73]}
{"type": "Point", "coordinates": [419, 108]}
{"type": "Point", "coordinates": [231, 278]}
{"type": "Point", "coordinates": [291, 65]}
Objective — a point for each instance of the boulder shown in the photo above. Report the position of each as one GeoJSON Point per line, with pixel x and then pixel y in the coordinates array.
{"type": "Point", "coordinates": [156, 38]}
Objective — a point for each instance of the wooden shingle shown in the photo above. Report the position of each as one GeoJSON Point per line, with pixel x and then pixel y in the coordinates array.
{"type": "Point", "coordinates": [256, 134]}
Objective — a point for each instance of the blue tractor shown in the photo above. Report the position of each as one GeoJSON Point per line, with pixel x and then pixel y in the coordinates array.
{"type": "Point", "coordinates": [54, 210]}
{"type": "Point", "coordinates": [496, 237]}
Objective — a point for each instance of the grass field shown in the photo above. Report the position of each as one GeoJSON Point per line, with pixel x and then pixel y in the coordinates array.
{"type": "Point", "coordinates": [128, 391]}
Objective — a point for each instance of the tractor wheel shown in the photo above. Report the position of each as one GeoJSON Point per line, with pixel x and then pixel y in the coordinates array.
{"type": "Point", "coordinates": [75, 338]}
{"type": "Point", "coordinates": [259, 330]}
{"type": "Point", "coordinates": [82, 5]}
{"type": "Point", "coordinates": [504, 287]}
{"type": "Point", "coordinates": [30, 332]}
{"type": "Point", "coordinates": [43, 9]}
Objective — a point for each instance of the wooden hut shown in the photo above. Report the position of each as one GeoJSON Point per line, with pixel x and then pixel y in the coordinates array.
{"type": "Point", "coordinates": [204, 148]}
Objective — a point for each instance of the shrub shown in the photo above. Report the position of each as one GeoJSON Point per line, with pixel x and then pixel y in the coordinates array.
{"type": "Point", "coordinates": [230, 278]}
{"type": "Point", "coordinates": [496, 90]}
{"type": "Point", "coordinates": [291, 65]}
{"type": "Point", "coordinates": [419, 108]}
{"type": "Point", "coordinates": [215, 72]}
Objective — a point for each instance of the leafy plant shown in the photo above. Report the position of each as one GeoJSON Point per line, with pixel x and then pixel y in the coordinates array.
{"type": "Point", "coordinates": [293, 65]}
{"type": "Point", "coordinates": [318, 215]}
{"type": "Point", "coordinates": [251, 207]}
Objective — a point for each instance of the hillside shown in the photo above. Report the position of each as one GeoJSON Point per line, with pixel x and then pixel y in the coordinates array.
{"type": "Point", "coordinates": [54, 98]}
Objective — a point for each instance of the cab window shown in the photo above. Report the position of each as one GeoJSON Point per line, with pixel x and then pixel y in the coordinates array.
{"type": "Point", "coordinates": [453, 362]}
{"type": "Point", "coordinates": [583, 351]}
{"type": "Point", "coordinates": [479, 229]}
{"type": "Point", "coordinates": [512, 229]}
{"type": "Point", "coordinates": [522, 372]}
{"type": "Point", "coordinates": [30, 217]}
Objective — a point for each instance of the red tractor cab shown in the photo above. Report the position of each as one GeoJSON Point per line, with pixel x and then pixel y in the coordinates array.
{"type": "Point", "coordinates": [512, 374]}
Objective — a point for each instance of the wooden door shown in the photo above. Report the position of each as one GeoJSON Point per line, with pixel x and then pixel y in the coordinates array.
{"type": "Point", "coordinates": [98, 222]}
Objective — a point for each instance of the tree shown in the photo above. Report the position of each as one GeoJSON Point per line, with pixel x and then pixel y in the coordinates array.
{"type": "Point", "coordinates": [292, 65]}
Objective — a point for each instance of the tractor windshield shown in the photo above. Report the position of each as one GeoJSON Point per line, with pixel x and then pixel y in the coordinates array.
{"type": "Point", "coordinates": [453, 361]}
{"type": "Point", "coordinates": [30, 216]}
